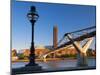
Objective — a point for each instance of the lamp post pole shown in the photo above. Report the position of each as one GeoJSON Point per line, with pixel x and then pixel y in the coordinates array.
{"type": "Point", "coordinates": [32, 49]}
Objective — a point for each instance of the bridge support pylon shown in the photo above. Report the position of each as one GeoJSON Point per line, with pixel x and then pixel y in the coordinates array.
{"type": "Point", "coordinates": [44, 58]}
{"type": "Point", "coordinates": [82, 55]}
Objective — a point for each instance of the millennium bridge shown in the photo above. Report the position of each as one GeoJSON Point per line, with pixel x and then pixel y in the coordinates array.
{"type": "Point", "coordinates": [81, 40]}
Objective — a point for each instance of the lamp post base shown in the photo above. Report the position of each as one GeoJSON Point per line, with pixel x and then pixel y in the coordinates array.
{"type": "Point", "coordinates": [31, 64]}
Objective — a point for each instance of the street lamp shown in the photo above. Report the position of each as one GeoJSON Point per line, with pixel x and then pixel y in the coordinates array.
{"type": "Point", "coordinates": [33, 17]}
{"type": "Point", "coordinates": [31, 67]}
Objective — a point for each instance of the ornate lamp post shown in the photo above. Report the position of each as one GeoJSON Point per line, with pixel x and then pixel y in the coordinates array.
{"type": "Point", "coordinates": [31, 67]}
{"type": "Point", "coordinates": [32, 16]}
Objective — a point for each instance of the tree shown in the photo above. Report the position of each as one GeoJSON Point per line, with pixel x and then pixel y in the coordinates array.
{"type": "Point", "coordinates": [14, 53]}
{"type": "Point", "coordinates": [21, 56]}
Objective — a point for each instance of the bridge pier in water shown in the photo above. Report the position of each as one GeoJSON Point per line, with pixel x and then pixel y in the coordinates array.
{"type": "Point", "coordinates": [82, 55]}
{"type": "Point", "coordinates": [82, 59]}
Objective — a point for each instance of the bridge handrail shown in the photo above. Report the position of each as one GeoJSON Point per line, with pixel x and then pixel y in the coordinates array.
{"type": "Point", "coordinates": [80, 30]}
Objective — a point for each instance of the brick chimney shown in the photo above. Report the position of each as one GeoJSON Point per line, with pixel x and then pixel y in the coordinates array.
{"type": "Point", "coordinates": [55, 36]}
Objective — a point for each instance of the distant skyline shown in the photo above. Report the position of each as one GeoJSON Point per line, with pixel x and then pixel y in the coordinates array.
{"type": "Point", "coordinates": [66, 17]}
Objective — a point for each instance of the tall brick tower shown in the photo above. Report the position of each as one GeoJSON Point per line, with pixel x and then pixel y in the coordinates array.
{"type": "Point", "coordinates": [55, 36]}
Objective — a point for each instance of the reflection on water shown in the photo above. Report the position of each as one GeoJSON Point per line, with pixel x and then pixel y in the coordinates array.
{"type": "Point", "coordinates": [55, 64]}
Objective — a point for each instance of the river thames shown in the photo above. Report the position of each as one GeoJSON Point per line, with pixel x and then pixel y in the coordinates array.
{"type": "Point", "coordinates": [56, 64]}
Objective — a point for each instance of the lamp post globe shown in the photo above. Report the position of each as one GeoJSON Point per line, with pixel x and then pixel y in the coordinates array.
{"type": "Point", "coordinates": [33, 17]}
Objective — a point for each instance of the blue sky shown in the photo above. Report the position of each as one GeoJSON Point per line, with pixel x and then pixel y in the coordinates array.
{"type": "Point", "coordinates": [66, 17]}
